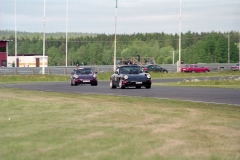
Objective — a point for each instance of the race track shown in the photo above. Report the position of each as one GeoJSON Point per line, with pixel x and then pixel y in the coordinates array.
{"type": "Point", "coordinates": [197, 94]}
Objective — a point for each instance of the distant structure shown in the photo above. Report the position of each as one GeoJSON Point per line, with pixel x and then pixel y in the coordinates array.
{"type": "Point", "coordinates": [4, 52]}
{"type": "Point", "coordinates": [28, 60]}
{"type": "Point", "coordinates": [23, 60]}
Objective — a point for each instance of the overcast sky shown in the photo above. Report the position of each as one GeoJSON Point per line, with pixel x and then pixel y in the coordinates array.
{"type": "Point", "coordinates": [133, 16]}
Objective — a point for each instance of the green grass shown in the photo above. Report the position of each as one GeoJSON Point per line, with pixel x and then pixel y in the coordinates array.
{"type": "Point", "coordinates": [31, 78]}
{"type": "Point", "coordinates": [46, 125]}
{"type": "Point", "coordinates": [190, 75]}
{"type": "Point", "coordinates": [230, 82]}
{"type": "Point", "coordinates": [106, 76]}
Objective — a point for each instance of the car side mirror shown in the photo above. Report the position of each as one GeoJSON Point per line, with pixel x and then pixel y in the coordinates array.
{"type": "Point", "coordinates": [116, 72]}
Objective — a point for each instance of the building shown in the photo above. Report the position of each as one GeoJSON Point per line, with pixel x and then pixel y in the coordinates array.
{"type": "Point", "coordinates": [3, 52]}
{"type": "Point", "coordinates": [20, 60]}
{"type": "Point", "coordinates": [27, 60]}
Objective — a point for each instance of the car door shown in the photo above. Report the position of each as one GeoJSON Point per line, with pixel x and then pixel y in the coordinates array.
{"type": "Point", "coordinates": [150, 68]}
{"type": "Point", "coordinates": [158, 68]}
{"type": "Point", "coordinates": [154, 68]}
{"type": "Point", "coordinates": [201, 69]}
{"type": "Point", "coordinates": [197, 68]}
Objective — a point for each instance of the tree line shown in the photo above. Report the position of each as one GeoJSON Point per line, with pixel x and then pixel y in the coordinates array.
{"type": "Point", "coordinates": [98, 49]}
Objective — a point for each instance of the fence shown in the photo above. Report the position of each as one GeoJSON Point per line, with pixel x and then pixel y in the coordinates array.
{"type": "Point", "coordinates": [61, 70]}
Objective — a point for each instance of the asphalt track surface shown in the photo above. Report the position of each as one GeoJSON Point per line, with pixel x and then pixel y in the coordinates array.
{"type": "Point", "coordinates": [196, 94]}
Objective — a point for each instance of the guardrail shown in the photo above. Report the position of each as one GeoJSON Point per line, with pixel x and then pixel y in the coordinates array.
{"type": "Point", "coordinates": [61, 70]}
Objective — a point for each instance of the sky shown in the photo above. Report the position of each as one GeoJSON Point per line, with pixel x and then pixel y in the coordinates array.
{"type": "Point", "coordinates": [130, 16]}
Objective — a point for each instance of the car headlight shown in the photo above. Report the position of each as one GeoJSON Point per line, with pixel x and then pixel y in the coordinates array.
{"type": "Point", "coordinates": [148, 76]}
{"type": "Point", "coordinates": [75, 76]}
{"type": "Point", "coordinates": [125, 77]}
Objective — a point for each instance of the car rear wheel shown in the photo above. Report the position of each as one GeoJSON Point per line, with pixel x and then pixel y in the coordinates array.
{"type": "Point", "coordinates": [95, 84]}
{"type": "Point", "coordinates": [71, 83]}
{"type": "Point", "coordinates": [165, 71]}
{"type": "Point", "coordinates": [148, 87]}
{"type": "Point", "coordinates": [193, 71]}
{"type": "Point", "coordinates": [112, 84]}
{"type": "Point", "coordinates": [121, 84]}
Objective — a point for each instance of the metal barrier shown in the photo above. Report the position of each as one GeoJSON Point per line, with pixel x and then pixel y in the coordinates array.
{"type": "Point", "coordinates": [61, 70]}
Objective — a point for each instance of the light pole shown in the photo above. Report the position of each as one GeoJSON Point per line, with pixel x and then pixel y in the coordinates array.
{"type": "Point", "coordinates": [66, 33]}
{"type": "Point", "coordinates": [179, 59]}
{"type": "Point", "coordinates": [43, 61]}
{"type": "Point", "coordinates": [115, 39]}
{"type": "Point", "coordinates": [228, 48]}
{"type": "Point", "coordinates": [15, 34]}
{"type": "Point", "coordinates": [239, 53]}
{"type": "Point", "coordinates": [173, 58]}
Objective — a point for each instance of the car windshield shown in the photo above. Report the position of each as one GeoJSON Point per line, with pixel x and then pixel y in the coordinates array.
{"type": "Point", "coordinates": [84, 71]}
{"type": "Point", "coordinates": [130, 70]}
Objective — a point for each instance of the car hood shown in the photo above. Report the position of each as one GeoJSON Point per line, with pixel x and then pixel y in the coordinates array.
{"type": "Point", "coordinates": [85, 76]}
{"type": "Point", "coordinates": [136, 77]}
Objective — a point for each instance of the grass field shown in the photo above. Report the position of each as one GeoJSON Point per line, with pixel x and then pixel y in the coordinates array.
{"type": "Point", "coordinates": [45, 125]}
{"type": "Point", "coordinates": [229, 82]}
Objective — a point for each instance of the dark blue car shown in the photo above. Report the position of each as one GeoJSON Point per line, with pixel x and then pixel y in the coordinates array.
{"type": "Point", "coordinates": [130, 76]}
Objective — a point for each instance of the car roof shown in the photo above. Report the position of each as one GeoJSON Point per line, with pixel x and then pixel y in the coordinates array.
{"type": "Point", "coordinates": [129, 65]}
{"type": "Point", "coordinates": [81, 68]}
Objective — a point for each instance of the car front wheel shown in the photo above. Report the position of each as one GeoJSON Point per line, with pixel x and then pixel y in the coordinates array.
{"type": "Point", "coordinates": [112, 84]}
{"type": "Point", "coordinates": [74, 83]}
{"type": "Point", "coordinates": [121, 84]}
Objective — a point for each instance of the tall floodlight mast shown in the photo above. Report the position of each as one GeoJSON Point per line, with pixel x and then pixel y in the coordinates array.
{"type": "Point", "coordinates": [239, 53]}
{"type": "Point", "coordinates": [115, 39]}
{"type": "Point", "coordinates": [66, 33]}
{"type": "Point", "coordinates": [179, 59]}
{"type": "Point", "coordinates": [43, 61]}
{"type": "Point", "coordinates": [15, 35]}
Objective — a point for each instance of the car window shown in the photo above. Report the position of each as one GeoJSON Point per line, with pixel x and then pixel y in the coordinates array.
{"type": "Point", "coordinates": [84, 71]}
{"type": "Point", "coordinates": [130, 70]}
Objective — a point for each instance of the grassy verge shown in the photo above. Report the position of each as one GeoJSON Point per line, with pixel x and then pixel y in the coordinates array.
{"type": "Point", "coordinates": [190, 75]}
{"type": "Point", "coordinates": [106, 76]}
{"type": "Point", "coordinates": [44, 125]}
{"type": "Point", "coordinates": [231, 82]}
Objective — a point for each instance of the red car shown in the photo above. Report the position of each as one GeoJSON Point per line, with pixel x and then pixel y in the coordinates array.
{"type": "Point", "coordinates": [235, 67]}
{"type": "Point", "coordinates": [194, 68]}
